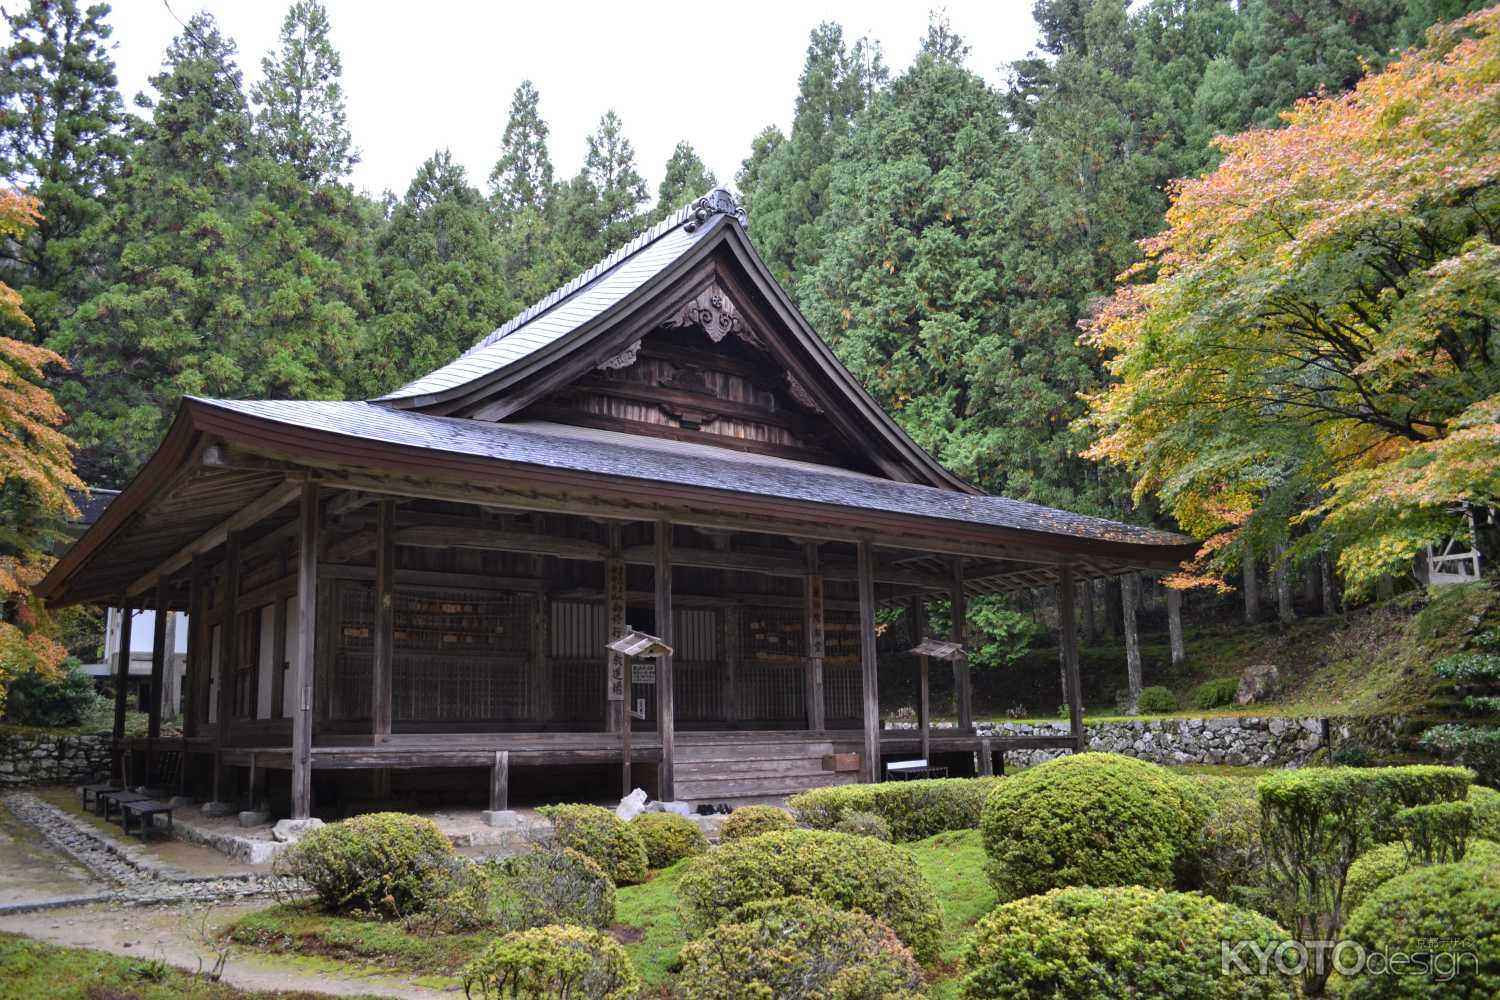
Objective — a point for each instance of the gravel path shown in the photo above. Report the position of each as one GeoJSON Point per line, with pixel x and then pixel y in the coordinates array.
{"type": "Point", "coordinates": [130, 875]}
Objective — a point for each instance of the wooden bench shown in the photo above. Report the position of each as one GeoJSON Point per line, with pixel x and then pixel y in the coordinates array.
{"type": "Point", "coordinates": [911, 770]}
{"type": "Point", "coordinates": [111, 800]}
{"type": "Point", "coordinates": [145, 811]}
{"type": "Point", "coordinates": [84, 791]}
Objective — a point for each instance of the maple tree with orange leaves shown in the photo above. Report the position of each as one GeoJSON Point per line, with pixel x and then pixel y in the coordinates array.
{"type": "Point", "coordinates": [36, 472]}
{"type": "Point", "coordinates": [1310, 348]}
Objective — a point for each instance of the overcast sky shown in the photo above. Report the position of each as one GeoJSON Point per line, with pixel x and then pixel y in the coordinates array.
{"type": "Point", "coordinates": [423, 75]}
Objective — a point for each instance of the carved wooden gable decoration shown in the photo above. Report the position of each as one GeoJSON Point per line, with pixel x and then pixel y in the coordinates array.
{"type": "Point", "coordinates": [682, 335]}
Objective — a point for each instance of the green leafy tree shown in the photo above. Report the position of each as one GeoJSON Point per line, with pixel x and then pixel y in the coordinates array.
{"type": "Point", "coordinates": [62, 140]}
{"type": "Point", "coordinates": [786, 191]}
{"type": "Point", "coordinates": [687, 177]}
{"type": "Point", "coordinates": [300, 117]}
{"type": "Point", "coordinates": [521, 180]}
{"type": "Point", "coordinates": [618, 186]}
{"type": "Point", "coordinates": [440, 286]}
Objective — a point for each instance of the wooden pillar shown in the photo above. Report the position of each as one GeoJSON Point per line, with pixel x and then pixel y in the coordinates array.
{"type": "Point", "coordinates": [158, 663]}
{"type": "Point", "coordinates": [868, 662]}
{"type": "Point", "coordinates": [303, 673]}
{"type": "Point", "coordinates": [617, 681]}
{"type": "Point", "coordinates": [255, 791]}
{"type": "Point", "coordinates": [924, 700]}
{"type": "Point", "coordinates": [665, 709]}
{"type": "Point", "coordinates": [732, 622]}
{"type": "Point", "coordinates": [383, 658]}
{"type": "Point", "coordinates": [812, 606]}
{"type": "Point", "coordinates": [986, 757]}
{"type": "Point", "coordinates": [198, 651]}
{"type": "Point", "coordinates": [1069, 639]}
{"type": "Point", "coordinates": [171, 692]}
{"type": "Point", "coordinates": [963, 687]}
{"type": "Point", "coordinates": [122, 680]}
{"type": "Point", "coordinates": [500, 782]}
{"type": "Point", "coordinates": [229, 646]}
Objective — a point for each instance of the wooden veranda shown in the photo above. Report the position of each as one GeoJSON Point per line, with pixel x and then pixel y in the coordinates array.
{"type": "Point", "coordinates": [428, 581]}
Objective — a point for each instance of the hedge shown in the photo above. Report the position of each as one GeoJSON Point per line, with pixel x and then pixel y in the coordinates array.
{"type": "Point", "coordinates": [752, 821]}
{"type": "Point", "coordinates": [1486, 803]}
{"type": "Point", "coordinates": [1079, 943]}
{"type": "Point", "coordinates": [1455, 908]}
{"type": "Point", "coordinates": [1226, 859]}
{"type": "Point", "coordinates": [1383, 862]}
{"type": "Point", "coordinates": [1089, 819]}
{"type": "Point", "coordinates": [863, 824]}
{"type": "Point", "coordinates": [668, 837]}
{"type": "Point", "coordinates": [603, 836]}
{"type": "Point", "coordinates": [550, 962]}
{"type": "Point", "coordinates": [857, 873]}
{"type": "Point", "coordinates": [914, 809]}
{"type": "Point", "coordinates": [378, 864]}
{"type": "Point", "coordinates": [798, 949]}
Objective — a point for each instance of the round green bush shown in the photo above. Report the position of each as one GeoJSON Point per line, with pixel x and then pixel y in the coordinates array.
{"type": "Point", "coordinates": [1383, 862]}
{"type": "Point", "coordinates": [1089, 819]}
{"type": "Point", "coordinates": [378, 864]}
{"type": "Point", "coordinates": [863, 824]}
{"type": "Point", "coordinates": [603, 836]}
{"type": "Point", "coordinates": [549, 885]}
{"type": "Point", "coordinates": [1452, 909]}
{"type": "Point", "coordinates": [1080, 943]}
{"type": "Point", "coordinates": [1156, 699]}
{"type": "Point", "coordinates": [551, 963]}
{"type": "Point", "coordinates": [854, 873]}
{"type": "Point", "coordinates": [798, 949]}
{"type": "Point", "coordinates": [752, 821]}
{"type": "Point", "coordinates": [1486, 803]}
{"type": "Point", "coordinates": [914, 810]}
{"type": "Point", "coordinates": [668, 838]}
{"type": "Point", "coordinates": [1216, 693]}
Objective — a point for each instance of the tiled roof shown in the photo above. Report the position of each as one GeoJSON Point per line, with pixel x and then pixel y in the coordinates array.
{"type": "Point", "coordinates": [628, 456]}
{"type": "Point", "coordinates": [565, 309]}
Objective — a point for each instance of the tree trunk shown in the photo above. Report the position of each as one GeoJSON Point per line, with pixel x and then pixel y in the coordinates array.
{"type": "Point", "coordinates": [1330, 593]}
{"type": "Point", "coordinates": [1385, 587]}
{"type": "Point", "coordinates": [1112, 605]}
{"type": "Point", "coordinates": [1130, 586]}
{"type": "Point", "coordinates": [1090, 626]}
{"type": "Point", "coordinates": [1252, 591]}
{"type": "Point", "coordinates": [1174, 626]}
{"type": "Point", "coordinates": [1282, 574]}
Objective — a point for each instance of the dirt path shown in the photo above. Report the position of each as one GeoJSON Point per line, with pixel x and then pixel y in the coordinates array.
{"type": "Point", "coordinates": [171, 933]}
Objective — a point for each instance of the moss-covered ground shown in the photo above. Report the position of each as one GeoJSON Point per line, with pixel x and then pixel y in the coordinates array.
{"type": "Point", "coordinates": [30, 970]}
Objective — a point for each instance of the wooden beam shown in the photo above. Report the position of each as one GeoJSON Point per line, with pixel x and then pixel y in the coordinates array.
{"type": "Point", "coordinates": [159, 653]}
{"type": "Point", "coordinates": [499, 540]}
{"type": "Point", "coordinates": [1069, 637]}
{"type": "Point", "coordinates": [963, 688]}
{"type": "Point", "coordinates": [383, 652]}
{"type": "Point", "coordinates": [247, 516]}
{"type": "Point", "coordinates": [812, 628]}
{"type": "Point", "coordinates": [500, 782]}
{"type": "Point", "coordinates": [122, 681]}
{"type": "Point", "coordinates": [665, 708]}
{"type": "Point", "coordinates": [303, 665]}
{"type": "Point", "coordinates": [785, 564]}
{"type": "Point", "coordinates": [869, 667]}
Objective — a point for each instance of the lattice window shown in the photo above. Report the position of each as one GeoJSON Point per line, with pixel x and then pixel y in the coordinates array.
{"type": "Point", "coordinates": [843, 681]}
{"type": "Point", "coordinates": [771, 680]}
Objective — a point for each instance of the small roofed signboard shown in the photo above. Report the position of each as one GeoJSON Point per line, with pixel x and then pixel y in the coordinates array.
{"type": "Point", "coordinates": [940, 649]}
{"type": "Point", "coordinates": [640, 645]}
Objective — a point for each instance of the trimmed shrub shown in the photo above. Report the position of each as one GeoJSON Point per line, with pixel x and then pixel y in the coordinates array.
{"type": "Point", "coordinates": [668, 838]}
{"type": "Point", "coordinates": [378, 864]}
{"type": "Point", "coordinates": [1216, 693]}
{"type": "Point", "coordinates": [550, 962]}
{"type": "Point", "coordinates": [752, 821]}
{"type": "Point", "coordinates": [603, 836]}
{"type": "Point", "coordinates": [914, 810]}
{"type": "Point", "coordinates": [1156, 699]}
{"type": "Point", "coordinates": [1089, 819]}
{"type": "Point", "coordinates": [549, 885]}
{"type": "Point", "coordinates": [1227, 860]}
{"type": "Point", "coordinates": [1477, 747]}
{"type": "Point", "coordinates": [1486, 803]}
{"type": "Point", "coordinates": [854, 873]}
{"type": "Point", "coordinates": [1080, 943]}
{"type": "Point", "coordinates": [863, 824]}
{"type": "Point", "coordinates": [1455, 909]}
{"type": "Point", "coordinates": [798, 949]}
{"type": "Point", "coordinates": [1316, 821]}
{"type": "Point", "coordinates": [1383, 862]}
{"type": "Point", "coordinates": [1436, 833]}
{"type": "Point", "coordinates": [66, 698]}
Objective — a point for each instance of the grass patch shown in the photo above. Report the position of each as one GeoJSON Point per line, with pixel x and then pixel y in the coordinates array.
{"type": "Point", "coordinates": [32, 969]}
{"type": "Point", "coordinates": [650, 924]}
{"type": "Point", "coordinates": [297, 929]}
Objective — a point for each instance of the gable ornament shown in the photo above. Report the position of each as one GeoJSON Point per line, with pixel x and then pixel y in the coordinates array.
{"type": "Point", "coordinates": [716, 202]}
{"type": "Point", "coordinates": [712, 310]}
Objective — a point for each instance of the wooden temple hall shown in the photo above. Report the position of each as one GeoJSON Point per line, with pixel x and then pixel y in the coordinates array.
{"type": "Point", "coordinates": [415, 592]}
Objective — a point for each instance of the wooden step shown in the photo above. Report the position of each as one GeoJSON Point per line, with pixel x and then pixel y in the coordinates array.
{"type": "Point", "coordinates": [732, 753]}
{"type": "Point", "coordinates": [732, 787]}
{"type": "Point", "coordinates": [748, 768]}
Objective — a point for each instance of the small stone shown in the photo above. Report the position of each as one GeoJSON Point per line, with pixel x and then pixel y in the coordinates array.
{"type": "Point", "coordinates": [1258, 683]}
{"type": "Point", "coordinates": [505, 819]}
{"type": "Point", "coordinates": [254, 817]}
{"type": "Point", "coordinates": [212, 809]}
{"type": "Point", "coordinates": [289, 831]}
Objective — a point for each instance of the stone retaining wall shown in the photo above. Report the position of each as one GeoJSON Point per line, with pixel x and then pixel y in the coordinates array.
{"type": "Point", "coordinates": [1249, 740]}
{"type": "Point", "coordinates": [52, 760]}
